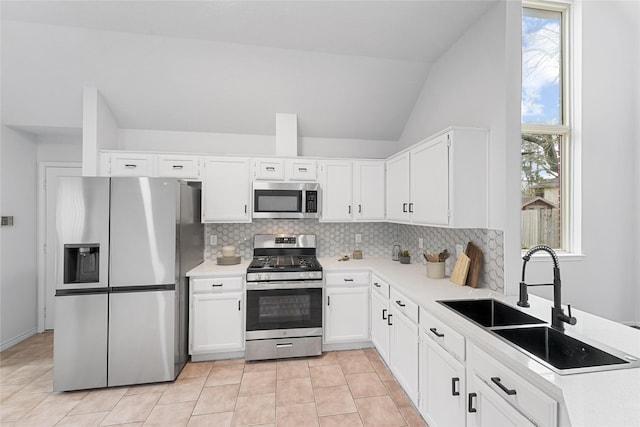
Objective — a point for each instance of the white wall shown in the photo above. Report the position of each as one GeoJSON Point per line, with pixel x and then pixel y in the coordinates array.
{"type": "Point", "coordinates": [477, 83]}
{"type": "Point", "coordinates": [605, 281]}
{"type": "Point", "coordinates": [59, 148]}
{"type": "Point", "coordinates": [18, 279]}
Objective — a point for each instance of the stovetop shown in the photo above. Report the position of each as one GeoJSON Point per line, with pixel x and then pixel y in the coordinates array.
{"type": "Point", "coordinates": [284, 257]}
{"type": "Point", "coordinates": [285, 263]}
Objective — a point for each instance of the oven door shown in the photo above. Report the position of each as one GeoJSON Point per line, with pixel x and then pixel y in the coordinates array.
{"type": "Point", "coordinates": [279, 313]}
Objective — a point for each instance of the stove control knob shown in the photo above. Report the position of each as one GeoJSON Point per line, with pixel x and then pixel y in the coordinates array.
{"type": "Point", "coordinates": [266, 276]}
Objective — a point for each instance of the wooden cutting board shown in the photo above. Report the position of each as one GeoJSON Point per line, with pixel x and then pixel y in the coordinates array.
{"type": "Point", "coordinates": [460, 270]}
{"type": "Point", "coordinates": [475, 255]}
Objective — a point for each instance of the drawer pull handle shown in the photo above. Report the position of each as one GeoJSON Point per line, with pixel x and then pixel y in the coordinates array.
{"type": "Point", "coordinates": [216, 285]}
{"type": "Point", "coordinates": [270, 168]}
{"type": "Point", "coordinates": [376, 284]}
{"type": "Point", "coordinates": [384, 312]}
{"type": "Point", "coordinates": [400, 303]}
{"type": "Point", "coordinates": [436, 333]}
{"type": "Point", "coordinates": [238, 305]}
{"type": "Point", "coordinates": [470, 407]}
{"type": "Point", "coordinates": [349, 208]}
{"type": "Point", "coordinates": [404, 207]}
{"type": "Point", "coordinates": [359, 208]}
{"type": "Point", "coordinates": [284, 345]}
{"type": "Point", "coordinates": [328, 300]}
{"type": "Point", "coordinates": [410, 207]}
{"type": "Point", "coordinates": [454, 390]}
{"type": "Point", "coordinates": [389, 319]}
{"type": "Point", "coordinates": [302, 169]}
{"type": "Point", "coordinates": [348, 280]}
{"type": "Point", "coordinates": [177, 166]}
{"type": "Point", "coordinates": [130, 166]}
{"type": "Point", "coordinates": [496, 381]}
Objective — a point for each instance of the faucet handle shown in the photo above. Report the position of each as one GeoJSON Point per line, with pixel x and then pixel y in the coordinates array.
{"type": "Point", "coordinates": [569, 318]}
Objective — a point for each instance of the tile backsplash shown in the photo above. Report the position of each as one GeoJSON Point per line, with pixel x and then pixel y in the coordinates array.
{"type": "Point", "coordinates": [378, 238]}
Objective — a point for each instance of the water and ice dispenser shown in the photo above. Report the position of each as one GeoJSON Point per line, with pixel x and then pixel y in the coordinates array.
{"type": "Point", "coordinates": [82, 263]}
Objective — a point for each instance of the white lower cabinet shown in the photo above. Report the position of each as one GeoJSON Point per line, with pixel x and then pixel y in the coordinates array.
{"type": "Point", "coordinates": [380, 324]}
{"type": "Point", "coordinates": [217, 315]}
{"type": "Point", "coordinates": [346, 307]}
{"type": "Point", "coordinates": [403, 351]}
{"type": "Point", "coordinates": [487, 409]}
{"type": "Point", "coordinates": [442, 385]}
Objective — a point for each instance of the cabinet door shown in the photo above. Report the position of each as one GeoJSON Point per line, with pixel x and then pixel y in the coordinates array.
{"type": "Point", "coordinates": [486, 409]}
{"type": "Point", "coordinates": [301, 170]}
{"type": "Point", "coordinates": [403, 352]}
{"type": "Point", "coordinates": [346, 315]}
{"type": "Point", "coordinates": [217, 323]}
{"type": "Point", "coordinates": [380, 324]}
{"type": "Point", "coordinates": [337, 191]}
{"type": "Point", "coordinates": [226, 191]}
{"type": "Point", "coordinates": [180, 166]}
{"type": "Point", "coordinates": [271, 169]}
{"type": "Point", "coordinates": [398, 188]}
{"type": "Point", "coordinates": [430, 183]}
{"type": "Point", "coordinates": [368, 191]}
{"type": "Point", "coordinates": [442, 386]}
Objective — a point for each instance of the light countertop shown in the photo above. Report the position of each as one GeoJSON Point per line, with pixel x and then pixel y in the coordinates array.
{"type": "Point", "coordinates": [591, 399]}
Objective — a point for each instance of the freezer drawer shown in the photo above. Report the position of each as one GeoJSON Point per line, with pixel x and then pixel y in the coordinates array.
{"type": "Point", "coordinates": [80, 342]}
{"type": "Point", "coordinates": [141, 337]}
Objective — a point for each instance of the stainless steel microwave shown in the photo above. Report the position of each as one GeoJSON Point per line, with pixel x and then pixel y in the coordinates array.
{"type": "Point", "coordinates": [286, 200]}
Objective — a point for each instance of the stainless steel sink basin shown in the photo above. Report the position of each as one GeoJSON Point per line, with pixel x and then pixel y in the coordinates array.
{"type": "Point", "coordinates": [563, 352]}
{"type": "Point", "coordinates": [490, 312]}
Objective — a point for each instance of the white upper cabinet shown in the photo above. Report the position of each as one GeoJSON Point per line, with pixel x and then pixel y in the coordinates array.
{"type": "Point", "coordinates": [179, 166]}
{"type": "Point", "coordinates": [301, 170]}
{"type": "Point", "coordinates": [129, 164]}
{"type": "Point", "coordinates": [269, 169]}
{"type": "Point", "coordinates": [441, 181]}
{"type": "Point", "coordinates": [226, 190]}
{"type": "Point", "coordinates": [353, 190]}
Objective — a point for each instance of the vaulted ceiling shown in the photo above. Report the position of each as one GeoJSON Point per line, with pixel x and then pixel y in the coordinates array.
{"type": "Point", "coordinates": [349, 69]}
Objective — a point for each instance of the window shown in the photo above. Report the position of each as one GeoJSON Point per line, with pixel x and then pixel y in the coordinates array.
{"type": "Point", "coordinates": [546, 131]}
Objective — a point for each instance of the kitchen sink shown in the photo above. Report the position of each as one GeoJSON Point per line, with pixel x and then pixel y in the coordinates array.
{"type": "Point", "coordinates": [562, 351]}
{"type": "Point", "coordinates": [490, 312]}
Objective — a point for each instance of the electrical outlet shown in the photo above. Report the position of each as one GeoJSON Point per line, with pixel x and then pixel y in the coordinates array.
{"type": "Point", "coordinates": [420, 242]}
{"type": "Point", "coordinates": [213, 240]}
{"type": "Point", "coordinates": [459, 250]}
{"type": "Point", "coordinates": [358, 238]}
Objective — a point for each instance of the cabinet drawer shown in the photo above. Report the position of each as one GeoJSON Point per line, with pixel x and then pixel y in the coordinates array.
{"type": "Point", "coordinates": [134, 165]}
{"type": "Point", "coordinates": [216, 284]}
{"type": "Point", "coordinates": [302, 170]}
{"type": "Point", "coordinates": [272, 169]}
{"type": "Point", "coordinates": [358, 278]}
{"type": "Point", "coordinates": [178, 166]}
{"type": "Point", "coordinates": [515, 390]}
{"type": "Point", "coordinates": [404, 305]}
{"type": "Point", "coordinates": [379, 286]}
{"type": "Point", "coordinates": [450, 340]}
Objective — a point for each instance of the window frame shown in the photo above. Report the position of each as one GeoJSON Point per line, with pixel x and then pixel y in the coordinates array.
{"type": "Point", "coordinates": [570, 236]}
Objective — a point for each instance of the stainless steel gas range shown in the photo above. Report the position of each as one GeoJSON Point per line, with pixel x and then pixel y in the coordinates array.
{"type": "Point", "coordinates": [284, 298]}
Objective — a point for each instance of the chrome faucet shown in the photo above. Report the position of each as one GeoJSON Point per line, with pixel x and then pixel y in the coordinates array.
{"type": "Point", "coordinates": [558, 318]}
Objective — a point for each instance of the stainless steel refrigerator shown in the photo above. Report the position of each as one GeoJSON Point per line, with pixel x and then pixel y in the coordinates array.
{"type": "Point", "coordinates": [123, 247]}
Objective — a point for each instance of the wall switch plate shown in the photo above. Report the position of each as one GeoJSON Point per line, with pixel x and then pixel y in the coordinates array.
{"type": "Point", "coordinates": [420, 242]}
{"type": "Point", "coordinates": [358, 238]}
{"type": "Point", "coordinates": [213, 240]}
{"type": "Point", "coordinates": [459, 249]}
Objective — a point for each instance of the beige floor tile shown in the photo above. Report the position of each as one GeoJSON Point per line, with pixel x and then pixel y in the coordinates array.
{"type": "Point", "coordinates": [383, 371]}
{"type": "Point", "coordinates": [256, 409]}
{"type": "Point", "coordinates": [292, 369]}
{"type": "Point", "coordinates": [66, 396]}
{"type": "Point", "coordinates": [334, 400]}
{"type": "Point", "coordinates": [99, 400]}
{"type": "Point", "coordinates": [6, 391]}
{"type": "Point", "coordinates": [258, 383]}
{"type": "Point", "coordinates": [379, 411]}
{"type": "Point", "coordinates": [397, 393]}
{"type": "Point", "coordinates": [327, 358]}
{"type": "Point", "coordinates": [147, 388]}
{"type": "Point", "coordinates": [92, 419]}
{"type": "Point", "coordinates": [412, 417]}
{"type": "Point", "coordinates": [7, 369]}
{"type": "Point", "coordinates": [18, 405]}
{"type": "Point", "coordinates": [132, 409]}
{"type": "Point", "coordinates": [42, 384]}
{"type": "Point", "coordinates": [170, 415]}
{"type": "Point", "coordinates": [221, 419]}
{"type": "Point", "coordinates": [217, 399]}
{"type": "Point", "coordinates": [327, 376]}
{"type": "Point", "coordinates": [196, 369]}
{"type": "Point", "coordinates": [347, 353]}
{"type": "Point", "coordinates": [227, 362]}
{"type": "Point", "coordinates": [342, 420]}
{"type": "Point", "coordinates": [298, 415]}
{"type": "Point", "coordinates": [260, 366]}
{"type": "Point", "coordinates": [294, 390]}
{"type": "Point", "coordinates": [184, 390]}
{"type": "Point", "coordinates": [25, 374]}
{"type": "Point", "coordinates": [355, 364]}
{"type": "Point", "coordinates": [366, 384]}
{"type": "Point", "coordinates": [224, 375]}
{"type": "Point", "coordinates": [372, 354]}
{"type": "Point", "coordinates": [46, 414]}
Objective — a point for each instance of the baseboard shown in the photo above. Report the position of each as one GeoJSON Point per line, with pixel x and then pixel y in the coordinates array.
{"type": "Point", "coordinates": [217, 356]}
{"type": "Point", "coordinates": [347, 346]}
{"type": "Point", "coordinates": [15, 340]}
